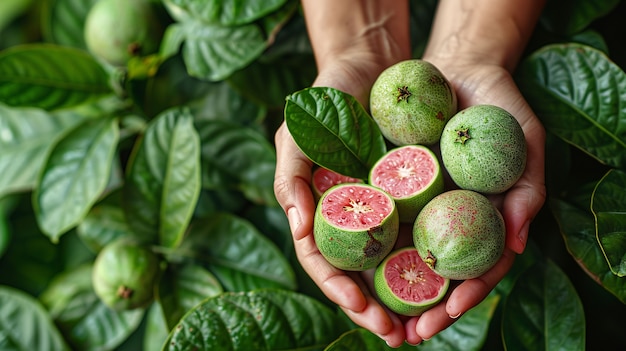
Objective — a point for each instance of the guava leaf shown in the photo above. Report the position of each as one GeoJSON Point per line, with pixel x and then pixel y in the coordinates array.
{"type": "Point", "coordinates": [25, 324]}
{"type": "Point", "coordinates": [333, 130]}
{"type": "Point", "coordinates": [237, 157]}
{"type": "Point", "coordinates": [50, 76]}
{"type": "Point", "coordinates": [163, 179]}
{"type": "Point", "coordinates": [568, 17]}
{"type": "Point", "coordinates": [88, 323]}
{"type": "Point", "coordinates": [213, 52]}
{"type": "Point", "coordinates": [102, 225]}
{"type": "Point", "coordinates": [578, 94]}
{"type": "Point", "coordinates": [543, 312]}
{"type": "Point", "coordinates": [75, 175]}
{"type": "Point", "coordinates": [27, 136]}
{"type": "Point", "coordinates": [577, 227]}
{"type": "Point", "coordinates": [238, 254]}
{"type": "Point", "coordinates": [232, 12]}
{"type": "Point", "coordinates": [267, 319]}
{"type": "Point", "coordinates": [10, 9]}
{"type": "Point", "coordinates": [156, 330]}
{"type": "Point", "coordinates": [63, 21]}
{"type": "Point", "coordinates": [608, 205]}
{"type": "Point", "coordinates": [183, 287]}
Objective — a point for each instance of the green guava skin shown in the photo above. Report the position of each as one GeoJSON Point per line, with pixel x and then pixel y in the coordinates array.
{"type": "Point", "coordinates": [355, 250]}
{"type": "Point", "coordinates": [411, 101]}
{"type": "Point", "coordinates": [124, 274]}
{"type": "Point", "coordinates": [483, 148]}
{"type": "Point", "coordinates": [459, 234]}
{"type": "Point", "coordinates": [117, 30]}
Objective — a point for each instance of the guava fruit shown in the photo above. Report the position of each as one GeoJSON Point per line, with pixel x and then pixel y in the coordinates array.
{"type": "Point", "coordinates": [323, 179]}
{"type": "Point", "coordinates": [355, 226]}
{"type": "Point", "coordinates": [459, 234]}
{"type": "Point", "coordinates": [406, 285]}
{"type": "Point", "coordinates": [124, 274]}
{"type": "Point", "coordinates": [411, 101]}
{"type": "Point", "coordinates": [483, 149]}
{"type": "Point", "coordinates": [117, 30]}
{"type": "Point", "coordinates": [411, 175]}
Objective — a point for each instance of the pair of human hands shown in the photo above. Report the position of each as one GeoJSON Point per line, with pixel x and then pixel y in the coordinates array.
{"type": "Point", "coordinates": [474, 83]}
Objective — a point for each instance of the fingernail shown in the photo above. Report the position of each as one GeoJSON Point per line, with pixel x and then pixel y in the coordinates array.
{"type": "Point", "coordinates": [455, 316]}
{"type": "Point", "coordinates": [522, 236]}
{"type": "Point", "coordinates": [293, 216]}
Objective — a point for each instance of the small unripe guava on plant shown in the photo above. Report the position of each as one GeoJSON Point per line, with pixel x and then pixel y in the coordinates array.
{"type": "Point", "coordinates": [117, 30]}
{"type": "Point", "coordinates": [411, 101]}
{"type": "Point", "coordinates": [406, 285]}
{"type": "Point", "coordinates": [355, 226]}
{"type": "Point", "coordinates": [124, 274]}
{"type": "Point", "coordinates": [411, 175]}
{"type": "Point", "coordinates": [460, 234]}
{"type": "Point", "coordinates": [483, 148]}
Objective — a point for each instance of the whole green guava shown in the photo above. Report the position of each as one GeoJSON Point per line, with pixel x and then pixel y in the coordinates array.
{"type": "Point", "coordinates": [117, 30]}
{"type": "Point", "coordinates": [124, 274]}
{"type": "Point", "coordinates": [411, 101]}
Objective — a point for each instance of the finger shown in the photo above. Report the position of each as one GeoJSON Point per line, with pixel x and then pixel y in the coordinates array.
{"type": "Point", "coordinates": [292, 181]}
{"type": "Point", "coordinates": [412, 338]}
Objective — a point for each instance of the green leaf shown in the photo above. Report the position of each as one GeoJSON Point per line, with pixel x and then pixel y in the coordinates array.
{"type": "Point", "coordinates": [163, 179]}
{"type": "Point", "coordinates": [333, 130]}
{"type": "Point", "coordinates": [26, 136]}
{"type": "Point", "coordinates": [87, 322]}
{"type": "Point", "coordinates": [578, 94]}
{"type": "Point", "coordinates": [183, 287]}
{"type": "Point", "coordinates": [238, 254]}
{"type": "Point", "coordinates": [232, 12]}
{"type": "Point", "coordinates": [102, 225]}
{"type": "Point", "coordinates": [50, 77]}
{"type": "Point", "coordinates": [608, 204]}
{"type": "Point", "coordinates": [568, 17]}
{"type": "Point", "coordinates": [362, 340]}
{"type": "Point", "coordinates": [25, 324]}
{"type": "Point", "coordinates": [543, 312]}
{"type": "Point", "coordinates": [576, 223]}
{"type": "Point", "coordinates": [214, 52]}
{"type": "Point", "coordinates": [75, 176]}
{"type": "Point", "coordinates": [238, 157]}
{"type": "Point", "coordinates": [257, 320]}
{"type": "Point", "coordinates": [10, 9]}
{"type": "Point", "coordinates": [469, 332]}
{"type": "Point", "coordinates": [156, 330]}
{"type": "Point", "coordinates": [64, 21]}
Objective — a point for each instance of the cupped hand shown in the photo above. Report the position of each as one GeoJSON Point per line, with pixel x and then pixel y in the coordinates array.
{"type": "Point", "coordinates": [477, 83]}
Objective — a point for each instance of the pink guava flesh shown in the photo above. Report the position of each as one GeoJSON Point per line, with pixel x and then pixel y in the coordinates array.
{"type": "Point", "coordinates": [356, 208]}
{"type": "Point", "coordinates": [405, 172]}
{"type": "Point", "coordinates": [411, 279]}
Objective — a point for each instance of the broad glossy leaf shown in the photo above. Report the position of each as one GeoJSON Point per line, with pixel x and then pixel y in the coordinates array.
{"type": "Point", "coordinates": [223, 103]}
{"type": "Point", "coordinates": [469, 332]}
{"type": "Point", "coordinates": [183, 287]}
{"type": "Point", "coordinates": [156, 331]}
{"type": "Point", "coordinates": [231, 12]}
{"type": "Point", "coordinates": [568, 17]}
{"type": "Point", "coordinates": [103, 224]}
{"type": "Point", "coordinates": [608, 205]}
{"type": "Point", "coordinates": [75, 175]}
{"type": "Point", "coordinates": [163, 179]}
{"type": "Point", "coordinates": [257, 320]}
{"type": "Point", "coordinates": [50, 77]}
{"type": "Point", "coordinates": [362, 340]}
{"type": "Point", "coordinates": [10, 9]}
{"type": "Point", "coordinates": [26, 136]}
{"type": "Point", "coordinates": [25, 324]}
{"type": "Point", "coordinates": [88, 323]}
{"type": "Point", "coordinates": [238, 157]}
{"type": "Point", "coordinates": [543, 312]}
{"type": "Point", "coordinates": [333, 130]}
{"type": "Point", "coordinates": [578, 94]}
{"type": "Point", "coordinates": [214, 52]}
{"type": "Point", "coordinates": [576, 223]}
{"type": "Point", "coordinates": [238, 254]}
{"type": "Point", "coordinates": [64, 21]}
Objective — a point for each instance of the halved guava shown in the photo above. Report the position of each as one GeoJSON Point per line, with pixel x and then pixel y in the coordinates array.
{"type": "Point", "coordinates": [411, 175]}
{"type": "Point", "coordinates": [406, 285]}
{"type": "Point", "coordinates": [355, 226]}
{"type": "Point", "coordinates": [323, 179]}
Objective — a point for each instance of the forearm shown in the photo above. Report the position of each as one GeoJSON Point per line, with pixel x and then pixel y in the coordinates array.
{"type": "Point", "coordinates": [339, 30]}
{"type": "Point", "coordinates": [489, 31]}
